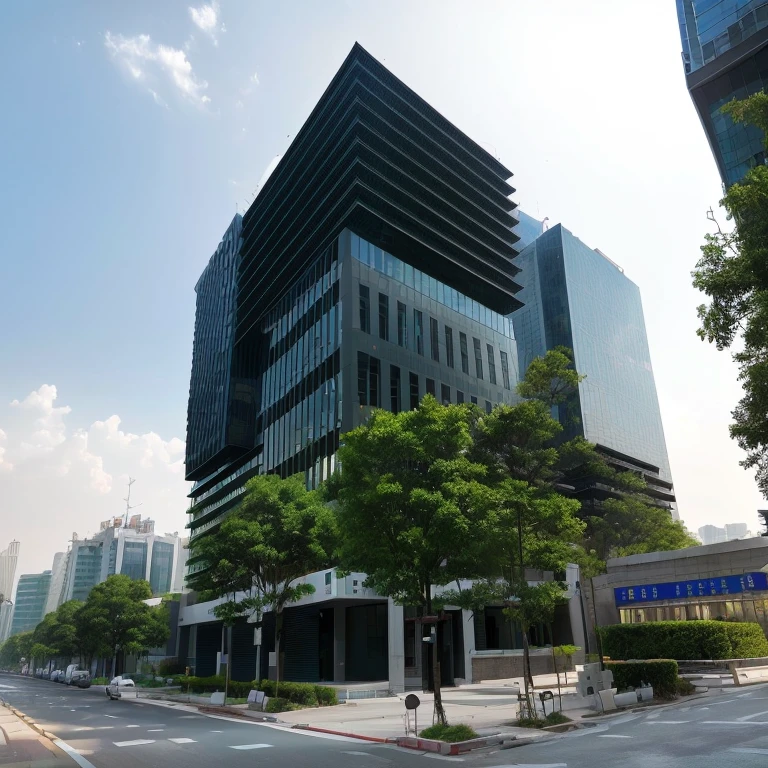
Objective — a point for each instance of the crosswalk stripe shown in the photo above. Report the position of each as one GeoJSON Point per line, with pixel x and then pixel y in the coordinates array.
{"type": "Point", "coordinates": [183, 741]}
{"type": "Point", "coordinates": [134, 743]}
{"type": "Point", "coordinates": [252, 746]}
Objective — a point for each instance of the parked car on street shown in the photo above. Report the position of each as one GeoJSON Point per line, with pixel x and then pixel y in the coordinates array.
{"type": "Point", "coordinates": [81, 678]}
{"type": "Point", "coordinates": [113, 690]}
{"type": "Point", "coordinates": [54, 678]}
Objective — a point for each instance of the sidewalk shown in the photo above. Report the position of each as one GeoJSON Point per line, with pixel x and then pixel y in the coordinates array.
{"type": "Point", "coordinates": [21, 745]}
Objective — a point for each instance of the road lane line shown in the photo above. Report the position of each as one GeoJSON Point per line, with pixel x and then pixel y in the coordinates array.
{"type": "Point", "coordinates": [155, 730]}
{"type": "Point", "coordinates": [114, 717]}
{"type": "Point", "coordinates": [252, 746]}
{"type": "Point", "coordinates": [733, 722]}
{"type": "Point", "coordinates": [667, 722]}
{"type": "Point", "coordinates": [217, 731]}
{"type": "Point", "coordinates": [183, 741]}
{"type": "Point", "coordinates": [749, 717]}
{"type": "Point", "coordinates": [73, 753]}
{"type": "Point", "coordinates": [135, 743]}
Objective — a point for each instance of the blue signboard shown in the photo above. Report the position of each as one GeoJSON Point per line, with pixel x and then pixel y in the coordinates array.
{"type": "Point", "coordinates": [721, 585]}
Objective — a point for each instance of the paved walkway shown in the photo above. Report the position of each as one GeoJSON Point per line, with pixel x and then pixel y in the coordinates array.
{"type": "Point", "coordinates": [21, 745]}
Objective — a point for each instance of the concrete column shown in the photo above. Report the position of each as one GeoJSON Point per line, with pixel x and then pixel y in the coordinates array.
{"type": "Point", "coordinates": [396, 636]}
{"type": "Point", "coordinates": [339, 643]}
{"type": "Point", "coordinates": [468, 628]}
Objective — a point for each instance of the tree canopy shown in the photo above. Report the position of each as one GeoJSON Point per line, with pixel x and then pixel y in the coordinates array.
{"type": "Point", "coordinates": [733, 273]}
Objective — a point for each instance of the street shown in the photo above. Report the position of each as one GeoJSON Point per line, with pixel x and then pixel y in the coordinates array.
{"type": "Point", "coordinates": [709, 732]}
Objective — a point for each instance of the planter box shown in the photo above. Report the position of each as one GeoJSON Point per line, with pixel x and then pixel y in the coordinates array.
{"type": "Point", "coordinates": [625, 699]}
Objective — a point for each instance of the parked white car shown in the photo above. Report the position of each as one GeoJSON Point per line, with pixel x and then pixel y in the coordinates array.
{"type": "Point", "coordinates": [113, 690]}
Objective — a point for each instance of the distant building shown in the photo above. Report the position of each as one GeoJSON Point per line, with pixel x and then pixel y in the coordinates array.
{"type": "Point", "coordinates": [574, 296]}
{"type": "Point", "coordinates": [134, 550]}
{"type": "Point", "coordinates": [711, 534]}
{"type": "Point", "coordinates": [6, 616]}
{"type": "Point", "coordinates": [31, 597]}
{"type": "Point", "coordinates": [58, 572]}
{"type": "Point", "coordinates": [725, 57]}
{"type": "Point", "coordinates": [8, 559]}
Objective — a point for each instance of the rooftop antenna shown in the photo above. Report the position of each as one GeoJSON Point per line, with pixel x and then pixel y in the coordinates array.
{"type": "Point", "coordinates": [127, 501]}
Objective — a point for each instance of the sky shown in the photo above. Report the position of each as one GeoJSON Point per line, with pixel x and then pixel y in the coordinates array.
{"type": "Point", "coordinates": [131, 133]}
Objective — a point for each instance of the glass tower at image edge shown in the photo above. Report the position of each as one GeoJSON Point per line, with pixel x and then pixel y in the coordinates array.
{"type": "Point", "coordinates": [376, 266]}
{"type": "Point", "coordinates": [574, 296]}
{"type": "Point", "coordinates": [725, 57]}
{"type": "Point", "coordinates": [31, 597]}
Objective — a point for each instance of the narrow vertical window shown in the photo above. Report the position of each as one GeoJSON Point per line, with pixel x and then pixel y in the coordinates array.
{"type": "Point", "coordinates": [394, 388]}
{"type": "Point", "coordinates": [365, 309]}
{"type": "Point", "coordinates": [418, 330]}
{"type": "Point", "coordinates": [384, 316]}
{"type": "Point", "coordinates": [464, 352]}
{"type": "Point", "coordinates": [434, 340]}
{"type": "Point", "coordinates": [504, 369]}
{"type": "Point", "coordinates": [491, 363]}
{"type": "Point", "coordinates": [445, 394]}
{"type": "Point", "coordinates": [413, 384]}
{"type": "Point", "coordinates": [459, 396]}
{"type": "Point", "coordinates": [478, 358]}
{"type": "Point", "coordinates": [449, 346]}
{"type": "Point", "coordinates": [402, 324]}
{"type": "Point", "coordinates": [431, 387]}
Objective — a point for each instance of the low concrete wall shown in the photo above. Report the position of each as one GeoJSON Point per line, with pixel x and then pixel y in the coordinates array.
{"type": "Point", "coordinates": [504, 666]}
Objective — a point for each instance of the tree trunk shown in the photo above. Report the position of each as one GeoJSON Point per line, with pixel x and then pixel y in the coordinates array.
{"type": "Point", "coordinates": [557, 670]}
{"type": "Point", "coordinates": [278, 638]}
{"type": "Point", "coordinates": [532, 712]}
{"type": "Point", "coordinates": [439, 712]}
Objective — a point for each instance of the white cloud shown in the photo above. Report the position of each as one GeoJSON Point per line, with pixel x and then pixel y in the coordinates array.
{"type": "Point", "coordinates": [206, 18]}
{"type": "Point", "coordinates": [144, 60]}
{"type": "Point", "coordinates": [255, 78]}
{"type": "Point", "coordinates": [57, 476]}
{"type": "Point", "coordinates": [239, 104]}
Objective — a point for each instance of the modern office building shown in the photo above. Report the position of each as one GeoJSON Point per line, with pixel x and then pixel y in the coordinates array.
{"type": "Point", "coordinates": [376, 266]}
{"type": "Point", "coordinates": [134, 550]}
{"type": "Point", "coordinates": [6, 617]}
{"type": "Point", "coordinates": [31, 597]}
{"type": "Point", "coordinates": [574, 296]}
{"type": "Point", "coordinates": [8, 559]}
{"type": "Point", "coordinates": [725, 57]}
{"type": "Point", "coordinates": [58, 574]}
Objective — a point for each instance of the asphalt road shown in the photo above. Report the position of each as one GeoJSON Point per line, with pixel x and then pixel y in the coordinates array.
{"type": "Point", "coordinates": [731, 728]}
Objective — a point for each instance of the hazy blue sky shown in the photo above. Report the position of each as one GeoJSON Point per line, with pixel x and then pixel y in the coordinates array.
{"type": "Point", "coordinates": [131, 131]}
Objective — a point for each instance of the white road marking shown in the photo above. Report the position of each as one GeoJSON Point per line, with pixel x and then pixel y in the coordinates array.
{"type": "Point", "coordinates": [362, 754]}
{"type": "Point", "coordinates": [252, 746]}
{"type": "Point", "coordinates": [668, 722]}
{"type": "Point", "coordinates": [155, 730]}
{"type": "Point", "coordinates": [86, 728]}
{"type": "Point", "coordinates": [114, 717]}
{"type": "Point", "coordinates": [315, 734]}
{"type": "Point", "coordinates": [135, 743]}
{"type": "Point", "coordinates": [73, 753]}
{"type": "Point", "coordinates": [133, 726]}
{"type": "Point", "coordinates": [444, 757]}
{"type": "Point", "coordinates": [717, 703]}
{"type": "Point", "coordinates": [612, 736]}
{"type": "Point", "coordinates": [749, 717]}
{"type": "Point", "coordinates": [183, 741]}
{"type": "Point", "coordinates": [217, 731]}
{"type": "Point", "coordinates": [749, 750]}
{"type": "Point", "coordinates": [189, 717]}
{"type": "Point", "coordinates": [733, 722]}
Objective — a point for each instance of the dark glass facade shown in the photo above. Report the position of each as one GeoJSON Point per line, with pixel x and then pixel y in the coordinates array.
{"type": "Point", "coordinates": [578, 298]}
{"type": "Point", "coordinates": [363, 260]}
{"type": "Point", "coordinates": [161, 567]}
{"type": "Point", "coordinates": [210, 421]}
{"type": "Point", "coordinates": [725, 55]}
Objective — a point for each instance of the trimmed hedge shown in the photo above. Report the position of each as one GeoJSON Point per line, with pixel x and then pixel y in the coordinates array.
{"type": "Point", "coordinates": [449, 733]}
{"type": "Point", "coordinates": [660, 673]}
{"type": "Point", "coordinates": [684, 640]}
{"type": "Point", "coordinates": [303, 694]}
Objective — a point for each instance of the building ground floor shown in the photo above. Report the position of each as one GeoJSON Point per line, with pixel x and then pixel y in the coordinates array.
{"type": "Point", "coordinates": [345, 633]}
{"type": "Point", "coordinates": [728, 580]}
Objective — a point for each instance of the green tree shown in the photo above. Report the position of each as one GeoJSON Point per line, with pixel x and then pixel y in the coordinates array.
{"type": "Point", "coordinates": [733, 273]}
{"type": "Point", "coordinates": [631, 526]}
{"type": "Point", "coordinates": [412, 505]}
{"type": "Point", "coordinates": [16, 648]}
{"type": "Point", "coordinates": [116, 618]}
{"type": "Point", "coordinates": [279, 533]}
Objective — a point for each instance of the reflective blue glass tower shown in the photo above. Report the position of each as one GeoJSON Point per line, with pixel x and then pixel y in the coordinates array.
{"type": "Point", "coordinates": [576, 297]}
{"type": "Point", "coordinates": [725, 57]}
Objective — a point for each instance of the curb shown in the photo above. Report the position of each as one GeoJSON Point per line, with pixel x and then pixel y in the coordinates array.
{"type": "Point", "coordinates": [376, 739]}
{"type": "Point", "coordinates": [455, 748]}
{"type": "Point", "coordinates": [28, 721]}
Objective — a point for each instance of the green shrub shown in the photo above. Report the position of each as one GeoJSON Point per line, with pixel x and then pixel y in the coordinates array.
{"type": "Point", "coordinates": [684, 640]}
{"type": "Point", "coordinates": [168, 667]}
{"type": "Point", "coordinates": [530, 722]}
{"type": "Point", "coordinates": [557, 718]}
{"type": "Point", "coordinates": [450, 733]}
{"type": "Point", "coordinates": [100, 681]}
{"type": "Point", "coordinates": [684, 687]}
{"type": "Point", "coordinates": [660, 673]}
{"type": "Point", "coordinates": [280, 705]}
{"type": "Point", "coordinates": [326, 696]}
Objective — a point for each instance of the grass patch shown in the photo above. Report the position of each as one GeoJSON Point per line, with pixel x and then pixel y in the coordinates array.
{"type": "Point", "coordinates": [281, 705]}
{"type": "Point", "coordinates": [450, 733]}
{"type": "Point", "coordinates": [100, 681]}
{"type": "Point", "coordinates": [684, 687]}
{"type": "Point", "coordinates": [553, 718]}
